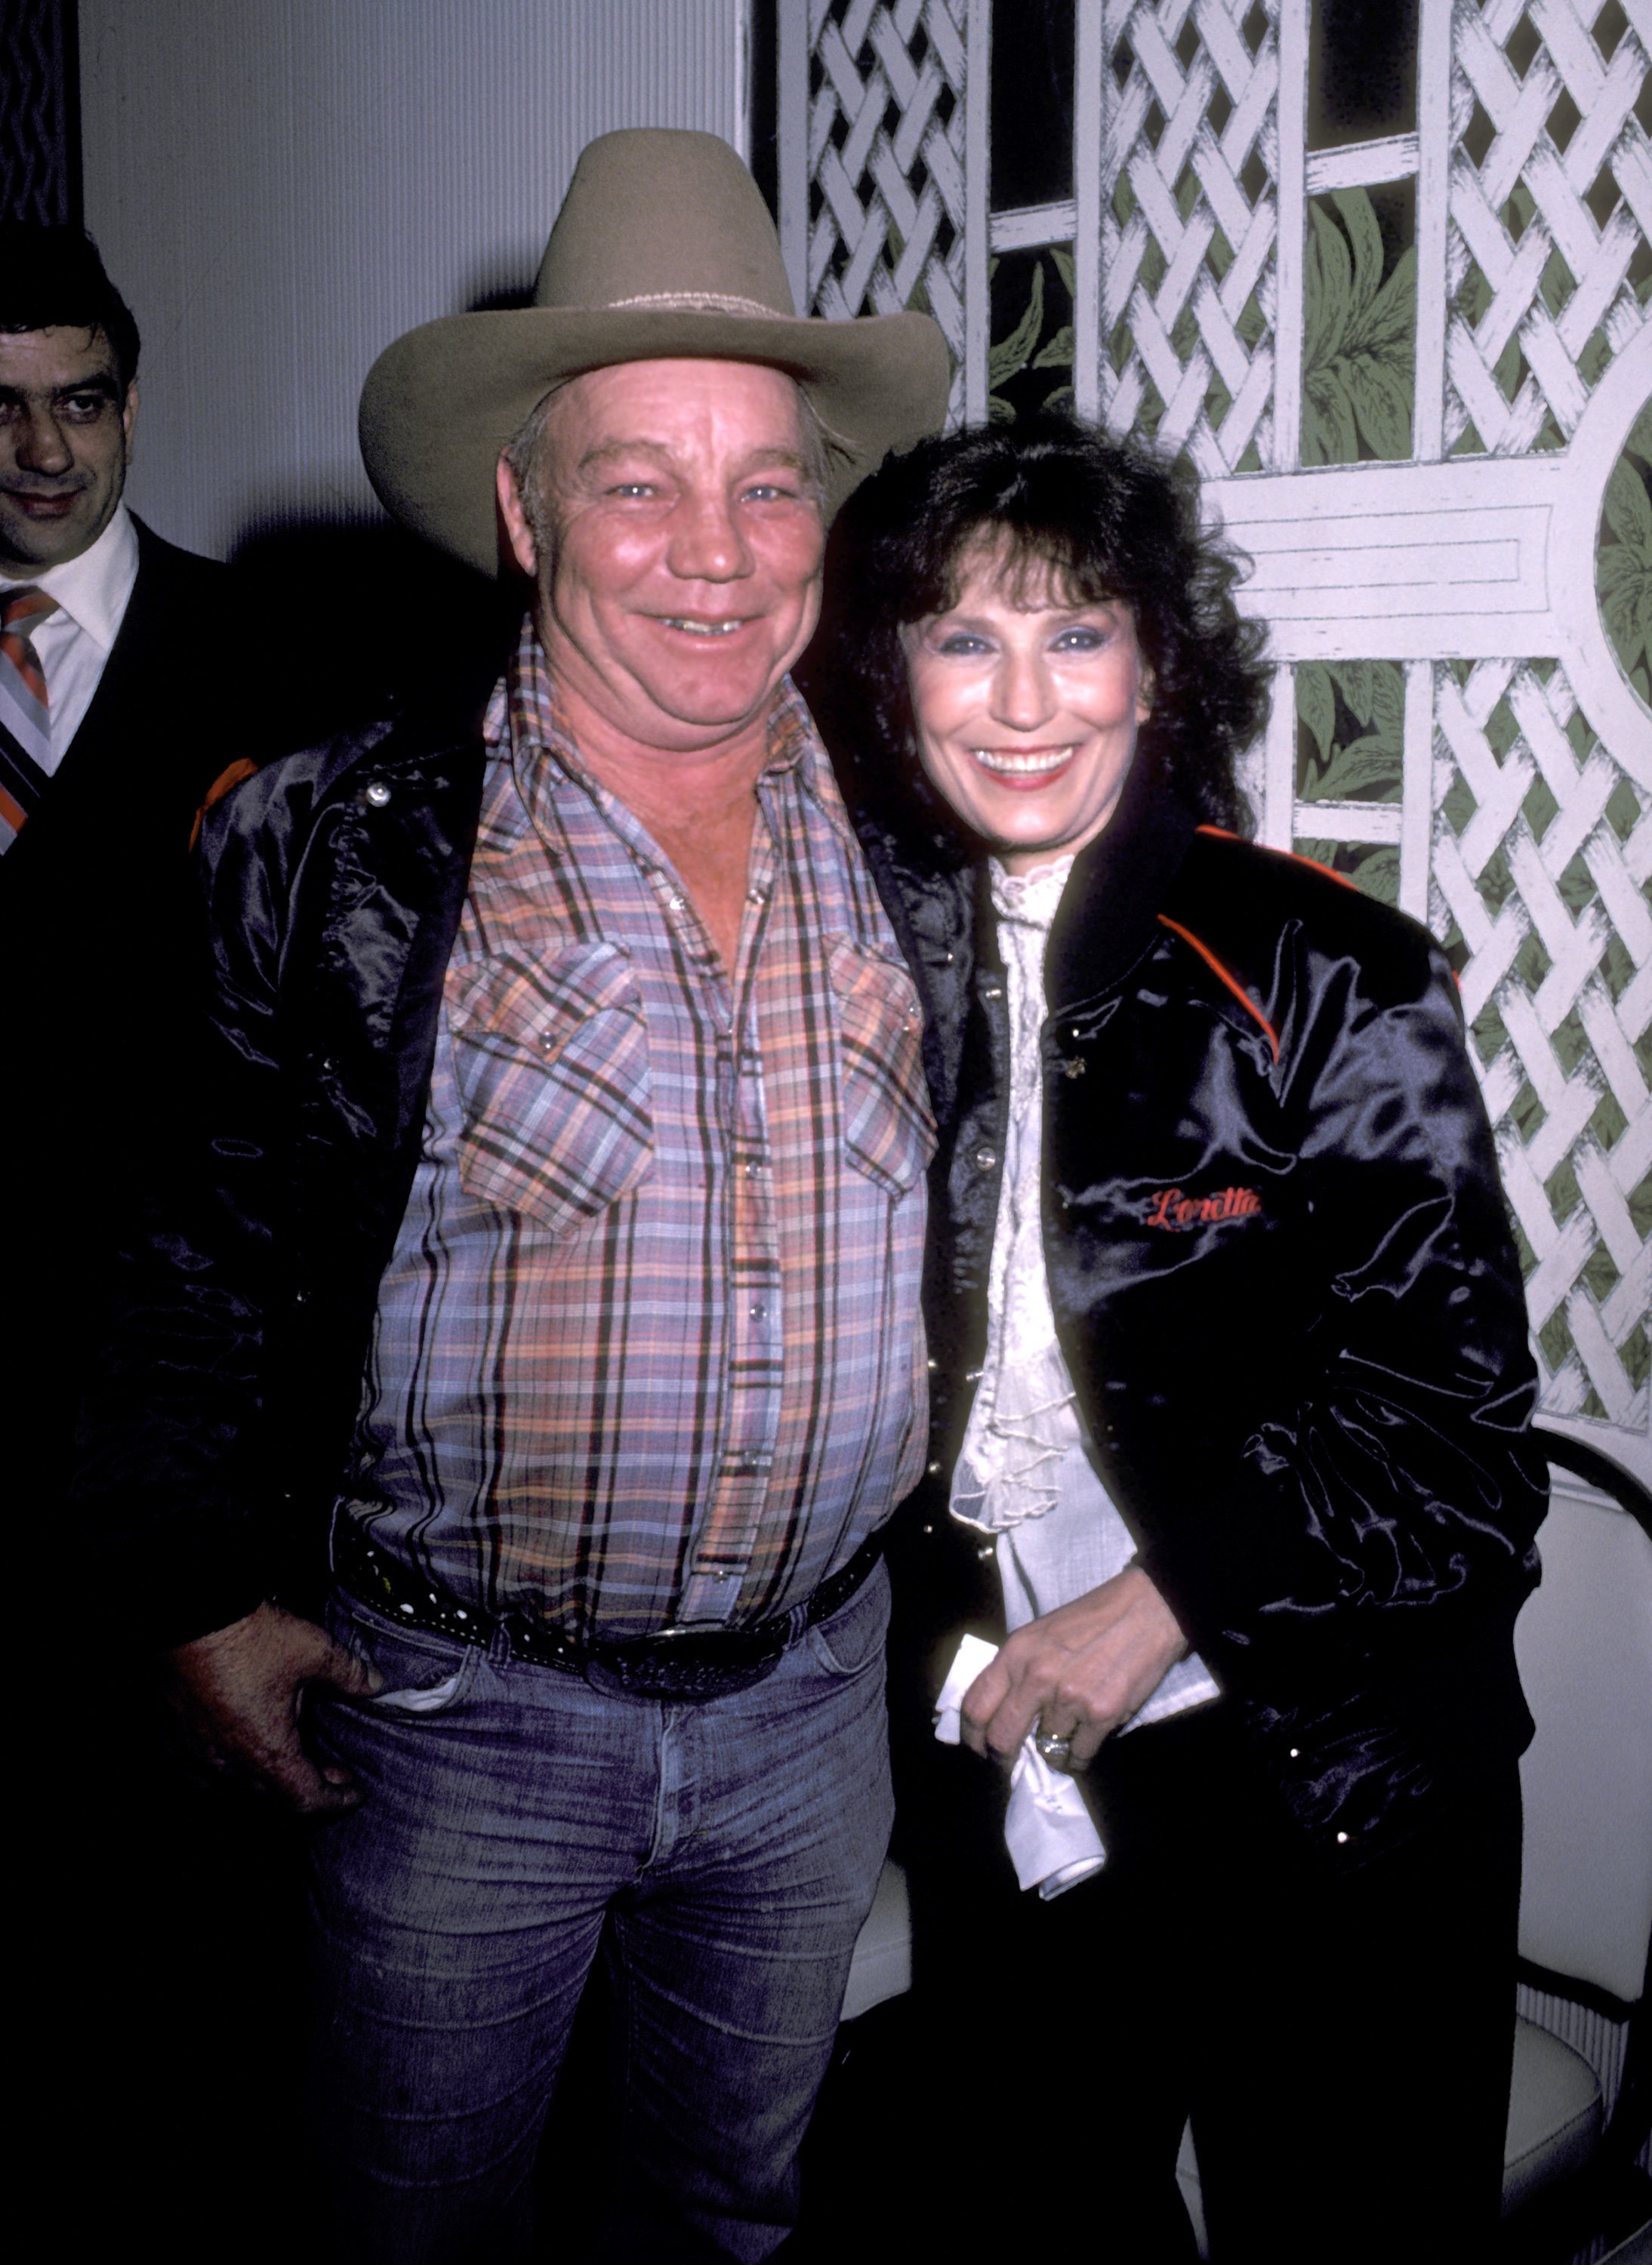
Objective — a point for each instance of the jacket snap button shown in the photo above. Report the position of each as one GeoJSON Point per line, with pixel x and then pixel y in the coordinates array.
{"type": "Point", "coordinates": [934, 1470]}
{"type": "Point", "coordinates": [992, 990]}
{"type": "Point", "coordinates": [985, 1159]}
{"type": "Point", "coordinates": [378, 794]}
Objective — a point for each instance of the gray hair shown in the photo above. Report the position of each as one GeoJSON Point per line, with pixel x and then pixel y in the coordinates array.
{"type": "Point", "coordinates": [525, 453]}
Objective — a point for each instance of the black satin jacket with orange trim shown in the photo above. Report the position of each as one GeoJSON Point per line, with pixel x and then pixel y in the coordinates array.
{"type": "Point", "coordinates": [1285, 1285]}
{"type": "Point", "coordinates": [215, 1423]}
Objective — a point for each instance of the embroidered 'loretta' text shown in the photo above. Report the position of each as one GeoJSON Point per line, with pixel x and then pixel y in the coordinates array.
{"type": "Point", "coordinates": [1169, 1208]}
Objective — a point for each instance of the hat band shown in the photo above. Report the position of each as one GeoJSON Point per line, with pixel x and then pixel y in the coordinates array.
{"type": "Point", "coordinates": [697, 302]}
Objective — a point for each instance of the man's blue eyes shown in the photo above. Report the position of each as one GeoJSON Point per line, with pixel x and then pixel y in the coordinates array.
{"type": "Point", "coordinates": [629, 490]}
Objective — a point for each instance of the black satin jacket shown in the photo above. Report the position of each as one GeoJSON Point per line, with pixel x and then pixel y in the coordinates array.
{"type": "Point", "coordinates": [1284, 1285]}
{"type": "Point", "coordinates": [215, 1430]}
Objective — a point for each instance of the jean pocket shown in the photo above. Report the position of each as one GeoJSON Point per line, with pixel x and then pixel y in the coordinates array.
{"type": "Point", "coordinates": [424, 1673]}
{"type": "Point", "coordinates": [852, 1641]}
{"type": "Point", "coordinates": [888, 1131]}
{"type": "Point", "coordinates": [552, 1058]}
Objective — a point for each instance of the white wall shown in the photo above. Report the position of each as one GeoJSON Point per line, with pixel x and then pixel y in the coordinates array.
{"type": "Point", "coordinates": [279, 187]}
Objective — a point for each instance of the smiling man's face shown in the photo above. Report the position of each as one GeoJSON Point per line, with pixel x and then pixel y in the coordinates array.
{"type": "Point", "coordinates": [686, 578]}
{"type": "Point", "coordinates": [65, 442]}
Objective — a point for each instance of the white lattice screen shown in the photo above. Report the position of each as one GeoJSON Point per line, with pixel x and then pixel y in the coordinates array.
{"type": "Point", "coordinates": [1459, 573]}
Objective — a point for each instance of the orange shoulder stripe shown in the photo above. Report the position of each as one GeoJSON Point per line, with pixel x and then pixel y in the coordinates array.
{"type": "Point", "coordinates": [1224, 975]}
{"type": "Point", "coordinates": [231, 775]}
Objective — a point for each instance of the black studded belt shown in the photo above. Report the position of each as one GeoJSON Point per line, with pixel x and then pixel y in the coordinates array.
{"type": "Point", "coordinates": [678, 1664]}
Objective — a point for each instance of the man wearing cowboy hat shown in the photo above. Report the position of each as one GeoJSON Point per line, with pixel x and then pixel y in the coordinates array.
{"type": "Point", "coordinates": [556, 1215]}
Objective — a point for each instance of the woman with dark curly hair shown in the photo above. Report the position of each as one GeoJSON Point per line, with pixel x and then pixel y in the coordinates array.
{"type": "Point", "coordinates": [1231, 1389]}
{"type": "Point", "coordinates": [1108, 521]}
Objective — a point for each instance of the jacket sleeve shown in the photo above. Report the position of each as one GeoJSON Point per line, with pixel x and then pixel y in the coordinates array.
{"type": "Point", "coordinates": [169, 1526]}
{"type": "Point", "coordinates": [1387, 1492]}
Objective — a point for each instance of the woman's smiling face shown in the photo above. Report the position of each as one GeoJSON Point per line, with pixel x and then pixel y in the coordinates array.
{"type": "Point", "coordinates": [1027, 707]}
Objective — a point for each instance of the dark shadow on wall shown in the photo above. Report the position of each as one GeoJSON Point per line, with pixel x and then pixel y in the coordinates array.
{"type": "Point", "coordinates": [380, 622]}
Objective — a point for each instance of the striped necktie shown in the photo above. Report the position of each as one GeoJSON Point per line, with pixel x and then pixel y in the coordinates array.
{"type": "Point", "coordinates": [26, 723]}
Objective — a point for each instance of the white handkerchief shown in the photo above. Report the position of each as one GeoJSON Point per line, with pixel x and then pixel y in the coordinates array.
{"type": "Point", "coordinates": [973, 1654]}
{"type": "Point", "coordinates": [1051, 1835]}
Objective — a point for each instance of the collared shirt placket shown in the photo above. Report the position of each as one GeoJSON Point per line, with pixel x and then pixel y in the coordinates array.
{"type": "Point", "coordinates": [726, 1529]}
{"type": "Point", "coordinates": [728, 1522]}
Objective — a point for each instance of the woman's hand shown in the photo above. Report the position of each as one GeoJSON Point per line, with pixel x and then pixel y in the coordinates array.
{"type": "Point", "coordinates": [1077, 1672]}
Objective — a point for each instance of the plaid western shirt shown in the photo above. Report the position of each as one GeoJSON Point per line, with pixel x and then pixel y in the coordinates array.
{"type": "Point", "coordinates": [648, 1350]}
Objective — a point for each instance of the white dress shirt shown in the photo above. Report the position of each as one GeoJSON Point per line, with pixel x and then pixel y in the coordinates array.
{"type": "Point", "coordinates": [74, 644]}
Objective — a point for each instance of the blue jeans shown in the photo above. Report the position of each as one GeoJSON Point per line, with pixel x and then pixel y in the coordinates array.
{"type": "Point", "coordinates": [722, 1854]}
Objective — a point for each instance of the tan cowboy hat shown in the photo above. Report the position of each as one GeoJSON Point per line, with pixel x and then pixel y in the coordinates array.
{"type": "Point", "coordinates": [663, 247]}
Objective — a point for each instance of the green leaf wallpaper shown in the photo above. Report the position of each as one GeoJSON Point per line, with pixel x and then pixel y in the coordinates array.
{"type": "Point", "coordinates": [1359, 347]}
{"type": "Point", "coordinates": [1623, 563]}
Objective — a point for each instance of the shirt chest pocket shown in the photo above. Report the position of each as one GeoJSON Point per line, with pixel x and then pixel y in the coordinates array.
{"type": "Point", "coordinates": [888, 1131]}
{"type": "Point", "coordinates": [551, 1060]}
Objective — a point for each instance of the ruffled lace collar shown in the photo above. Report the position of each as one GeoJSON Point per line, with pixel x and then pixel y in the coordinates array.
{"type": "Point", "coordinates": [1034, 897]}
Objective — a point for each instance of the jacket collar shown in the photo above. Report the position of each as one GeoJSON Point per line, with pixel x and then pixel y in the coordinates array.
{"type": "Point", "coordinates": [1109, 912]}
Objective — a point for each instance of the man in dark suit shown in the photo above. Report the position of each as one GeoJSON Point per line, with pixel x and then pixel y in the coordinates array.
{"type": "Point", "coordinates": [110, 738]}
{"type": "Point", "coordinates": [124, 690]}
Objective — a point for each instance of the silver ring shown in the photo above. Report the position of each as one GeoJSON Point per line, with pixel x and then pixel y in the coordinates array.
{"type": "Point", "coordinates": [1057, 1751]}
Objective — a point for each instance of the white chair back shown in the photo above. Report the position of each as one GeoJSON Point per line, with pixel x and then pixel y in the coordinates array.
{"type": "Point", "coordinates": [1584, 1645]}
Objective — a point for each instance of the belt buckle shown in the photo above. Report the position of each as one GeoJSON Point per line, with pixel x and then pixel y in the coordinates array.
{"type": "Point", "coordinates": [665, 1665]}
